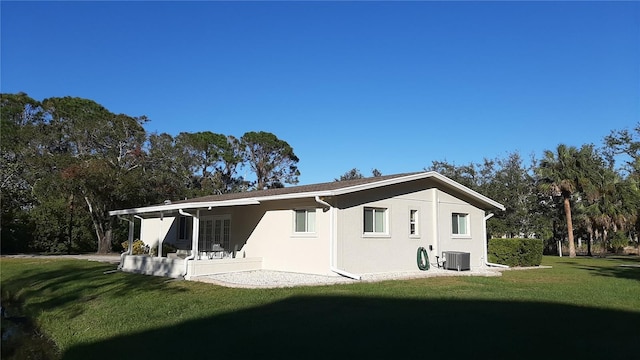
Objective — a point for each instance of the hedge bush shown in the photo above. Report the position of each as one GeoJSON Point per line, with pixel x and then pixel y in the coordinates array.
{"type": "Point", "coordinates": [515, 252]}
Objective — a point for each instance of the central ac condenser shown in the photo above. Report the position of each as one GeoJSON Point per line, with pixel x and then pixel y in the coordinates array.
{"type": "Point", "coordinates": [456, 260]}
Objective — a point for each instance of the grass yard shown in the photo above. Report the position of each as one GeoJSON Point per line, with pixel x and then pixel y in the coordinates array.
{"type": "Point", "coordinates": [582, 308]}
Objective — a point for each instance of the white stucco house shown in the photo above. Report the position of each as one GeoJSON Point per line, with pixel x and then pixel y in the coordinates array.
{"type": "Point", "coordinates": [348, 228]}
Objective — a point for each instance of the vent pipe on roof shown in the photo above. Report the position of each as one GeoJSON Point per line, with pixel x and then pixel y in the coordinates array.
{"type": "Point", "coordinates": [331, 242]}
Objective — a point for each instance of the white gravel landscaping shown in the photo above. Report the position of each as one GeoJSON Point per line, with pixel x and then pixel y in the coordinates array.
{"type": "Point", "coordinates": [279, 279]}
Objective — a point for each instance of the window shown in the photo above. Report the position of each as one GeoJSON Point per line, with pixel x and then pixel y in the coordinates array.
{"type": "Point", "coordinates": [460, 224]}
{"type": "Point", "coordinates": [375, 220]}
{"type": "Point", "coordinates": [183, 230]}
{"type": "Point", "coordinates": [413, 222]}
{"type": "Point", "coordinates": [305, 221]}
{"type": "Point", "coordinates": [215, 230]}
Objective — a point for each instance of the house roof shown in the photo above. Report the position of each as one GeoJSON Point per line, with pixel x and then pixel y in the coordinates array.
{"type": "Point", "coordinates": [333, 188]}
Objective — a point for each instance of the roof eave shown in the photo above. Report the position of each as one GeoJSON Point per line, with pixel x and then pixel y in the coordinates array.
{"type": "Point", "coordinates": [473, 193]}
{"type": "Point", "coordinates": [423, 175]}
{"type": "Point", "coordinates": [340, 191]}
{"type": "Point", "coordinates": [300, 195]}
{"type": "Point", "coordinates": [376, 184]}
{"type": "Point", "coordinates": [184, 206]}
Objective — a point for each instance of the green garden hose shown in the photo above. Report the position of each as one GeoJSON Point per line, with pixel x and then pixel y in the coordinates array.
{"type": "Point", "coordinates": [423, 259]}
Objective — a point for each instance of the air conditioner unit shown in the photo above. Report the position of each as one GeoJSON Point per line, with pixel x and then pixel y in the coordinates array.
{"type": "Point", "coordinates": [456, 260]}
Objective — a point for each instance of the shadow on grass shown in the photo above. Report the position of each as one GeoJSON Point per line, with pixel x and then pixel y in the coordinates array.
{"type": "Point", "coordinates": [625, 267]}
{"type": "Point", "coordinates": [633, 259]}
{"type": "Point", "coordinates": [73, 281]}
{"type": "Point", "coordinates": [620, 271]}
{"type": "Point", "coordinates": [384, 328]}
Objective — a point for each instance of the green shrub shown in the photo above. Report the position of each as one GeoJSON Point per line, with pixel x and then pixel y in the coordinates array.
{"type": "Point", "coordinates": [138, 247]}
{"type": "Point", "coordinates": [515, 252]}
{"type": "Point", "coordinates": [619, 241]}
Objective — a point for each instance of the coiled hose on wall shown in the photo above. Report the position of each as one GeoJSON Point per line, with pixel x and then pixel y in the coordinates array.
{"type": "Point", "coordinates": [423, 259]}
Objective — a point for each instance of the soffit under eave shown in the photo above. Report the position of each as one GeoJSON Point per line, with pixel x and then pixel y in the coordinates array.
{"type": "Point", "coordinates": [174, 208]}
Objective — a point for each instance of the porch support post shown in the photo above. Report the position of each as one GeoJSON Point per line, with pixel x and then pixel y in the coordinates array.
{"type": "Point", "coordinates": [194, 242]}
{"type": "Point", "coordinates": [159, 241]}
{"type": "Point", "coordinates": [130, 240]}
{"type": "Point", "coordinates": [139, 217]}
{"type": "Point", "coordinates": [131, 232]}
{"type": "Point", "coordinates": [194, 236]}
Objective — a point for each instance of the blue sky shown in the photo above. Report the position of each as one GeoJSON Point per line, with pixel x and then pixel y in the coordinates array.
{"type": "Point", "coordinates": [386, 85]}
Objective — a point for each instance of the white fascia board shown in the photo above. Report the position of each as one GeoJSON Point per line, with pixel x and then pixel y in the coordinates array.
{"type": "Point", "coordinates": [190, 205]}
{"type": "Point", "coordinates": [342, 191]}
{"type": "Point", "coordinates": [302, 195]}
{"type": "Point", "coordinates": [381, 183]}
{"type": "Point", "coordinates": [468, 191]}
{"type": "Point", "coordinates": [424, 175]}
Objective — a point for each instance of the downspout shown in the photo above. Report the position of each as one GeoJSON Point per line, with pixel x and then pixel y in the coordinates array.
{"type": "Point", "coordinates": [194, 233]}
{"type": "Point", "coordinates": [332, 240]}
{"type": "Point", "coordinates": [436, 221]}
{"type": "Point", "coordinates": [484, 233]}
{"type": "Point", "coordinates": [158, 239]}
{"type": "Point", "coordinates": [130, 247]}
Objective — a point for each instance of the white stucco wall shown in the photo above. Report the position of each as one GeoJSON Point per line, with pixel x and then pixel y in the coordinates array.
{"type": "Point", "coordinates": [397, 250]}
{"type": "Point", "coordinates": [153, 229]}
{"type": "Point", "coordinates": [473, 243]}
{"type": "Point", "coordinates": [263, 231]}
{"type": "Point", "coordinates": [153, 266]}
{"type": "Point", "coordinates": [394, 251]}
{"type": "Point", "coordinates": [269, 233]}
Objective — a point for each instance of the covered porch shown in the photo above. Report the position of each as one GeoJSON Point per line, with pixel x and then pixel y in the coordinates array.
{"type": "Point", "coordinates": [202, 241]}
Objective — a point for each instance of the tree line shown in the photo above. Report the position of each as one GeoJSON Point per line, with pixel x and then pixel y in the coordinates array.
{"type": "Point", "coordinates": [67, 161]}
{"type": "Point", "coordinates": [588, 192]}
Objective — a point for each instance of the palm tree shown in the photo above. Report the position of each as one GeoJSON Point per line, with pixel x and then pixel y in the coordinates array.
{"type": "Point", "coordinates": [612, 202]}
{"type": "Point", "coordinates": [566, 173]}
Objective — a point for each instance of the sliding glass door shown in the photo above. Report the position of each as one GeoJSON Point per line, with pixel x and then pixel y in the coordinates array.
{"type": "Point", "coordinates": [214, 230]}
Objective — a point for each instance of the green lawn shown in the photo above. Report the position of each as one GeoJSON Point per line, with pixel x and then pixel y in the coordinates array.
{"type": "Point", "coordinates": [581, 308]}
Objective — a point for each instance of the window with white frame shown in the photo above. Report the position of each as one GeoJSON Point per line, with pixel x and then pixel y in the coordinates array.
{"type": "Point", "coordinates": [375, 220]}
{"type": "Point", "coordinates": [305, 221]}
{"type": "Point", "coordinates": [413, 222]}
{"type": "Point", "coordinates": [460, 224]}
{"type": "Point", "coordinates": [214, 229]}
